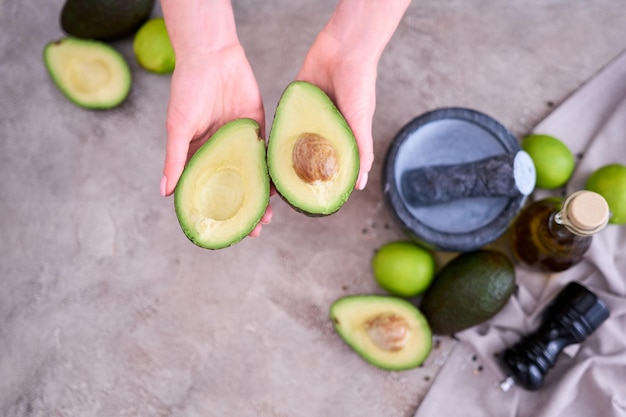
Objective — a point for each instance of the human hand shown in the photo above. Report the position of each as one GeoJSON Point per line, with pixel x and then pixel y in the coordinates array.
{"type": "Point", "coordinates": [343, 62]}
{"type": "Point", "coordinates": [207, 92]}
{"type": "Point", "coordinates": [351, 84]}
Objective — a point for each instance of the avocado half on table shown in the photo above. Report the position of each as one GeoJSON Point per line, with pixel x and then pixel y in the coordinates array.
{"type": "Point", "coordinates": [386, 331]}
{"type": "Point", "coordinates": [89, 73]}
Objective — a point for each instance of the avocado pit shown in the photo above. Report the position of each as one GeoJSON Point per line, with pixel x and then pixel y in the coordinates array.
{"type": "Point", "coordinates": [314, 158]}
{"type": "Point", "coordinates": [388, 331]}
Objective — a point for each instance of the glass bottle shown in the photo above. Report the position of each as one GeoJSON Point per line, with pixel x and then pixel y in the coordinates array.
{"type": "Point", "coordinates": [551, 235]}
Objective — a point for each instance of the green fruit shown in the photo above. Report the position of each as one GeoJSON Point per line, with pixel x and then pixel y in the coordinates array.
{"type": "Point", "coordinates": [224, 189]}
{"type": "Point", "coordinates": [313, 158]}
{"type": "Point", "coordinates": [468, 290]}
{"type": "Point", "coordinates": [104, 19]}
{"type": "Point", "coordinates": [152, 47]}
{"type": "Point", "coordinates": [91, 74]}
{"type": "Point", "coordinates": [387, 332]}
{"type": "Point", "coordinates": [610, 182]}
{"type": "Point", "coordinates": [554, 162]}
{"type": "Point", "coordinates": [403, 268]}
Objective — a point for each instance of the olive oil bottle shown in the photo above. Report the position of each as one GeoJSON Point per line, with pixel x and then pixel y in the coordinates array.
{"type": "Point", "coordinates": [551, 235]}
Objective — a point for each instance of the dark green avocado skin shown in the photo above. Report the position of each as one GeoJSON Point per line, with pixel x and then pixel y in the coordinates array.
{"type": "Point", "coordinates": [104, 19]}
{"type": "Point", "coordinates": [470, 289]}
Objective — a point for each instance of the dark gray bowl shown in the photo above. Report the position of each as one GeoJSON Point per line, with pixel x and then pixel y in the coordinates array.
{"type": "Point", "coordinates": [450, 136]}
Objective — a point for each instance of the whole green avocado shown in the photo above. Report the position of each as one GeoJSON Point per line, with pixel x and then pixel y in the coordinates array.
{"type": "Point", "coordinates": [470, 289]}
{"type": "Point", "coordinates": [104, 19]}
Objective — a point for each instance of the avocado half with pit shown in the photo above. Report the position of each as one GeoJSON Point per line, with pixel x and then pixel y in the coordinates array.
{"type": "Point", "coordinates": [312, 155]}
{"type": "Point", "coordinates": [89, 73]}
{"type": "Point", "coordinates": [388, 332]}
{"type": "Point", "coordinates": [224, 189]}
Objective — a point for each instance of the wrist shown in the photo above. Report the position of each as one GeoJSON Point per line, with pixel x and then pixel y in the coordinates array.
{"type": "Point", "coordinates": [199, 27]}
{"type": "Point", "coordinates": [364, 27]}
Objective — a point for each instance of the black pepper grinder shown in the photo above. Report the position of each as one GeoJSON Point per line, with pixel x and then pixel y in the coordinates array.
{"type": "Point", "coordinates": [573, 315]}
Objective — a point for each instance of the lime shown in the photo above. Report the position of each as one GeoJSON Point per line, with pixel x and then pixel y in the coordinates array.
{"type": "Point", "coordinates": [554, 162]}
{"type": "Point", "coordinates": [403, 268]}
{"type": "Point", "coordinates": [153, 48]}
{"type": "Point", "coordinates": [610, 182]}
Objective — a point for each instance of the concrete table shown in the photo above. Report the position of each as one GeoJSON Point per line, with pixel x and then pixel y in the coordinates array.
{"type": "Point", "coordinates": [106, 309]}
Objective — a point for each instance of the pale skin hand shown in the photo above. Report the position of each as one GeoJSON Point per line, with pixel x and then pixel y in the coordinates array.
{"type": "Point", "coordinates": [203, 98]}
{"type": "Point", "coordinates": [211, 85]}
{"type": "Point", "coordinates": [343, 62]}
{"type": "Point", "coordinates": [352, 87]}
{"type": "Point", "coordinates": [214, 84]}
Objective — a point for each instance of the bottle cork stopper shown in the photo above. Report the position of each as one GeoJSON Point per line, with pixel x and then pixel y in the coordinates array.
{"type": "Point", "coordinates": [586, 212]}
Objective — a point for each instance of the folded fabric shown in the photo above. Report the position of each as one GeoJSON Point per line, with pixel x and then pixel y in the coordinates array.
{"type": "Point", "coordinates": [589, 379]}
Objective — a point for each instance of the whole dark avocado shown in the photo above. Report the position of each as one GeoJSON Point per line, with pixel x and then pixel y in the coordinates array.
{"type": "Point", "coordinates": [104, 19]}
{"type": "Point", "coordinates": [470, 289]}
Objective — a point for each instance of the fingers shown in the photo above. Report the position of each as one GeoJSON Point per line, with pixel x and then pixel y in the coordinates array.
{"type": "Point", "coordinates": [265, 219]}
{"type": "Point", "coordinates": [366, 153]}
{"type": "Point", "coordinates": [361, 181]}
{"type": "Point", "coordinates": [256, 232]}
{"type": "Point", "coordinates": [267, 216]}
{"type": "Point", "coordinates": [177, 148]}
{"type": "Point", "coordinates": [361, 126]}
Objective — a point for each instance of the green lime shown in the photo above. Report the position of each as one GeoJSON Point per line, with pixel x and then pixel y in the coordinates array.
{"type": "Point", "coordinates": [610, 182]}
{"type": "Point", "coordinates": [403, 268]}
{"type": "Point", "coordinates": [153, 48]}
{"type": "Point", "coordinates": [554, 162]}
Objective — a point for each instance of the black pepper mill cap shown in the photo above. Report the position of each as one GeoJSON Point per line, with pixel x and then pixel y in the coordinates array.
{"type": "Point", "coordinates": [571, 317]}
{"type": "Point", "coordinates": [578, 304]}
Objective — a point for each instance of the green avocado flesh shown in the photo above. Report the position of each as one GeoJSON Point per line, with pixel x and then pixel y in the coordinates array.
{"type": "Point", "coordinates": [104, 19]}
{"type": "Point", "coordinates": [312, 155]}
{"type": "Point", "coordinates": [89, 73]}
{"type": "Point", "coordinates": [224, 189]}
{"type": "Point", "coordinates": [387, 332]}
{"type": "Point", "coordinates": [468, 290]}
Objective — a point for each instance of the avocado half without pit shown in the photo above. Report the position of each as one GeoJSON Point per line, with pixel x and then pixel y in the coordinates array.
{"type": "Point", "coordinates": [224, 189]}
{"type": "Point", "coordinates": [387, 332]}
{"type": "Point", "coordinates": [312, 155]}
{"type": "Point", "coordinates": [89, 73]}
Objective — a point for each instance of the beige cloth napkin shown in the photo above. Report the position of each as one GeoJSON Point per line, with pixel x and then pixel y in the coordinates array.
{"type": "Point", "coordinates": [589, 379]}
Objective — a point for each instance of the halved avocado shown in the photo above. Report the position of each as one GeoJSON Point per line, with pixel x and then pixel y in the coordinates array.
{"type": "Point", "coordinates": [388, 332]}
{"type": "Point", "coordinates": [89, 73]}
{"type": "Point", "coordinates": [312, 155]}
{"type": "Point", "coordinates": [224, 189]}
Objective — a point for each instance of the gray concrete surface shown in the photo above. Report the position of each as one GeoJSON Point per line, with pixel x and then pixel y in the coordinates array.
{"type": "Point", "coordinates": [106, 309]}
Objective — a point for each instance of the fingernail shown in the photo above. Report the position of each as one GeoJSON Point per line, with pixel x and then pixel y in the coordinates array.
{"type": "Point", "coordinates": [267, 216]}
{"type": "Point", "coordinates": [362, 181]}
{"type": "Point", "coordinates": [256, 232]}
{"type": "Point", "coordinates": [164, 186]}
